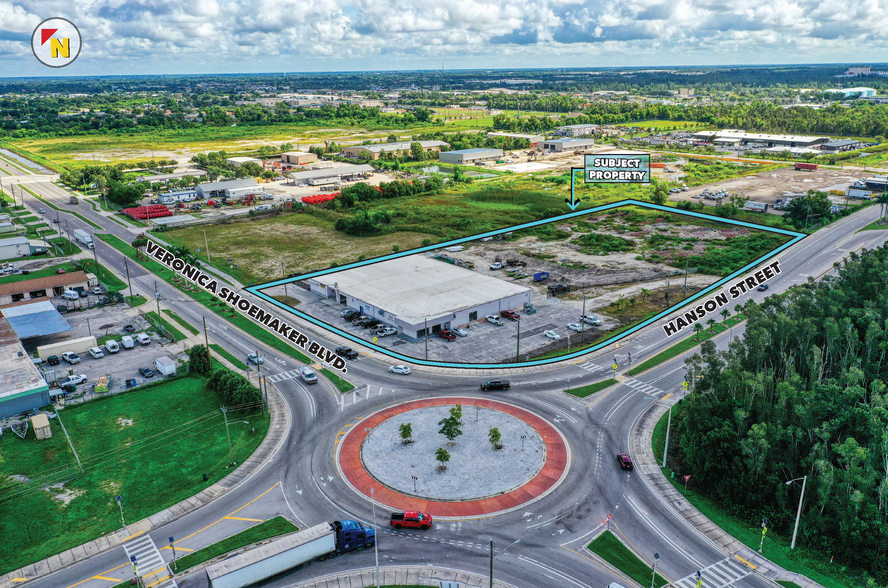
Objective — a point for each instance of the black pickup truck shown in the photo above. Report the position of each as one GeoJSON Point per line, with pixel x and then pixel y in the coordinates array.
{"type": "Point", "coordinates": [496, 385]}
{"type": "Point", "coordinates": [347, 352]}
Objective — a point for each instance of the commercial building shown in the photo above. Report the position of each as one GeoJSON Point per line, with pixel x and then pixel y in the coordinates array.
{"type": "Point", "coordinates": [20, 247]}
{"type": "Point", "coordinates": [194, 173]}
{"type": "Point", "coordinates": [402, 147]}
{"type": "Point", "coordinates": [37, 323]}
{"type": "Point", "coordinates": [567, 145]}
{"type": "Point", "coordinates": [469, 156]}
{"type": "Point", "coordinates": [239, 161]}
{"type": "Point", "coordinates": [841, 145]}
{"type": "Point", "coordinates": [6, 228]}
{"type": "Point", "coordinates": [854, 92]}
{"type": "Point", "coordinates": [738, 137]}
{"type": "Point", "coordinates": [332, 175]}
{"type": "Point", "coordinates": [416, 294]}
{"type": "Point", "coordinates": [533, 139]}
{"type": "Point", "coordinates": [46, 287]}
{"type": "Point", "coordinates": [233, 189]}
{"type": "Point", "coordinates": [22, 386]}
{"type": "Point", "coordinates": [298, 158]}
{"type": "Point", "coordinates": [577, 130]}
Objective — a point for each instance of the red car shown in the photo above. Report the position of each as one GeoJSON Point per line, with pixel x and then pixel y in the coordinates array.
{"type": "Point", "coordinates": [446, 335]}
{"type": "Point", "coordinates": [625, 461]}
{"type": "Point", "coordinates": [511, 315]}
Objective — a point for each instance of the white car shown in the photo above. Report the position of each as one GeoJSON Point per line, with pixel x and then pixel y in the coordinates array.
{"type": "Point", "coordinates": [575, 327]}
{"type": "Point", "coordinates": [71, 357]}
{"type": "Point", "coordinates": [111, 346]}
{"type": "Point", "coordinates": [74, 380]}
{"type": "Point", "coordinates": [591, 320]}
{"type": "Point", "coordinates": [96, 352]}
{"type": "Point", "coordinates": [552, 335]}
{"type": "Point", "coordinates": [97, 291]}
{"type": "Point", "coordinates": [493, 319]}
{"type": "Point", "coordinates": [386, 331]}
{"type": "Point", "coordinates": [308, 376]}
{"type": "Point", "coordinates": [399, 369]}
{"type": "Point", "coordinates": [496, 266]}
{"type": "Point", "coordinates": [460, 332]}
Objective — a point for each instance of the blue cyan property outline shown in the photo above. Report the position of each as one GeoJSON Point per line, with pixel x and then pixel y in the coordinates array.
{"type": "Point", "coordinates": [257, 289]}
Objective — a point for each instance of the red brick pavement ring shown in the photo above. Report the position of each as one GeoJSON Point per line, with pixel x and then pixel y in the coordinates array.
{"type": "Point", "coordinates": [554, 471]}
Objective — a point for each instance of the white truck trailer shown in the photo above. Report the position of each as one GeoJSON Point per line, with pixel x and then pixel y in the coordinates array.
{"type": "Point", "coordinates": [84, 238]}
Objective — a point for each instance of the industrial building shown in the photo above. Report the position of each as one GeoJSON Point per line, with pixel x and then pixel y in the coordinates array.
{"type": "Point", "coordinates": [194, 173]}
{"type": "Point", "coordinates": [332, 175]}
{"type": "Point", "coordinates": [298, 158]}
{"type": "Point", "coordinates": [233, 189]}
{"type": "Point", "coordinates": [20, 247]}
{"type": "Point", "coordinates": [239, 161]}
{"type": "Point", "coordinates": [841, 145]}
{"type": "Point", "coordinates": [469, 156]}
{"type": "Point", "coordinates": [416, 294]}
{"type": "Point", "coordinates": [37, 323]}
{"type": "Point", "coordinates": [577, 130]}
{"type": "Point", "coordinates": [533, 139]}
{"type": "Point", "coordinates": [22, 386]}
{"type": "Point", "coordinates": [567, 145]}
{"type": "Point", "coordinates": [854, 92]}
{"type": "Point", "coordinates": [45, 287]}
{"type": "Point", "coordinates": [403, 147]}
{"type": "Point", "coordinates": [737, 137]}
{"type": "Point", "coordinates": [7, 227]}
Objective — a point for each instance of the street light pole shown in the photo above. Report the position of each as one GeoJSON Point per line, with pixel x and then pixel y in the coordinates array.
{"type": "Point", "coordinates": [654, 576]}
{"type": "Point", "coordinates": [799, 512]}
{"type": "Point", "coordinates": [376, 540]}
{"type": "Point", "coordinates": [668, 426]}
{"type": "Point", "coordinates": [207, 243]}
{"type": "Point", "coordinates": [497, 555]}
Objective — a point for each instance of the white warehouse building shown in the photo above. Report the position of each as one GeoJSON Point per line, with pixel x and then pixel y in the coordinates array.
{"type": "Point", "coordinates": [416, 293]}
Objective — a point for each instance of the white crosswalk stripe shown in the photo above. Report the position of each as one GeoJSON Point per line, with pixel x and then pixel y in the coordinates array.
{"type": "Point", "coordinates": [591, 367]}
{"type": "Point", "coordinates": [642, 387]}
{"type": "Point", "coordinates": [719, 575]}
{"type": "Point", "coordinates": [149, 563]}
{"type": "Point", "coordinates": [283, 376]}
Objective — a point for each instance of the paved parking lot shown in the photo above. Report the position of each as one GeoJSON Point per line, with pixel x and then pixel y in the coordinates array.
{"type": "Point", "coordinates": [485, 343]}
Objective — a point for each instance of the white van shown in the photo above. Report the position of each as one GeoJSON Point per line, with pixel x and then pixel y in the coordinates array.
{"type": "Point", "coordinates": [112, 346]}
{"type": "Point", "coordinates": [127, 342]}
{"type": "Point", "coordinates": [71, 295]}
{"type": "Point", "coordinates": [143, 339]}
{"type": "Point", "coordinates": [96, 352]}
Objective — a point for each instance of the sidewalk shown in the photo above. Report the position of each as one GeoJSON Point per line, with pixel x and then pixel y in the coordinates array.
{"type": "Point", "coordinates": [402, 576]}
{"type": "Point", "coordinates": [649, 467]}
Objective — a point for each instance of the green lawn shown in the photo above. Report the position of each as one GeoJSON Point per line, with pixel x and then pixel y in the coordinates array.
{"type": "Point", "coordinates": [67, 247]}
{"type": "Point", "coordinates": [875, 226]}
{"type": "Point", "coordinates": [48, 271]}
{"type": "Point", "coordinates": [105, 276]}
{"type": "Point", "coordinates": [584, 391]}
{"type": "Point", "coordinates": [134, 301]}
{"type": "Point", "coordinates": [150, 446]}
{"type": "Point", "coordinates": [181, 321]}
{"type": "Point", "coordinates": [788, 584]}
{"type": "Point", "coordinates": [265, 530]}
{"type": "Point", "coordinates": [212, 302]}
{"type": "Point", "coordinates": [612, 550]}
{"type": "Point", "coordinates": [54, 207]}
{"type": "Point", "coordinates": [172, 331]}
{"type": "Point", "coordinates": [343, 385]}
{"type": "Point", "coordinates": [228, 356]}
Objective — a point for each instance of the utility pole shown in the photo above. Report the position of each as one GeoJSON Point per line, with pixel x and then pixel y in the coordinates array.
{"type": "Point", "coordinates": [225, 416]}
{"type": "Point", "coordinates": [376, 540]}
{"type": "Point", "coordinates": [684, 288]}
{"type": "Point", "coordinates": [582, 320]}
{"type": "Point", "coordinates": [491, 563]}
{"type": "Point", "coordinates": [426, 323]}
{"type": "Point", "coordinates": [206, 337]}
{"type": "Point", "coordinates": [668, 426]}
{"type": "Point", "coordinates": [207, 243]}
{"type": "Point", "coordinates": [518, 344]}
{"type": "Point", "coordinates": [157, 299]}
{"type": "Point", "coordinates": [126, 265]}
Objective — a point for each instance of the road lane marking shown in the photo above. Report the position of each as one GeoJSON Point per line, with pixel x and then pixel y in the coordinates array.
{"type": "Point", "coordinates": [243, 519]}
{"type": "Point", "coordinates": [131, 536]}
{"type": "Point", "coordinates": [750, 564]}
{"type": "Point", "coordinates": [230, 514]}
{"type": "Point", "coordinates": [101, 574]}
{"type": "Point", "coordinates": [106, 578]}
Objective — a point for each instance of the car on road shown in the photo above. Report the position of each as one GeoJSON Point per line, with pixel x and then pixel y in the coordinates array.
{"type": "Point", "coordinates": [446, 335]}
{"type": "Point", "coordinates": [71, 357]}
{"type": "Point", "coordinates": [256, 358]}
{"type": "Point", "coordinates": [146, 372]}
{"type": "Point", "coordinates": [308, 376]}
{"type": "Point", "coordinates": [55, 220]}
{"type": "Point", "coordinates": [493, 319]}
{"type": "Point", "coordinates": [575, 327]}
{"type": "Point", "coordinates": [347, 352]}
{"type": "Point", "coordinates": [96, 352]}
{"type": "Point", "coordinates": [129, 329]}
{"type": "Point", "coordinates": [625, 461]}
{"type": "Point", "coordinates": [496, 385]}
{"type": "Point", "coordinates": [400, 369]}
{"type": "Point", "coordinates": [510, 314]}
{"type": "Point", "coordinates": [74, 380]}
{"type": "Point", "coordinates": [385, 331]}
{"type": "Point", "coordinates": [762, 288]}
{"type": "Point", "coordinates": [552, 335]}
{"type": "Point", "coordinates": [460, 332]}
{"type": "Point", "coordinates": [41, 210]}
{"type": "Point", "coordinates": [674, 191]}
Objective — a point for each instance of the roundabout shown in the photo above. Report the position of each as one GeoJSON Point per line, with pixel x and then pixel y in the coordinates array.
{"type": "Point", "coordinates": [479, 481]}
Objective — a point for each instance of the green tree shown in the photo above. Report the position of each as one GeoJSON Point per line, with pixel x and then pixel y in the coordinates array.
{"type": "Point", "coordinates": [698, 328]}
{"type": "Point", "coordinates": [725, 313]}
{"type": "Point", "coordinates": [456, 413]}
{"type": "Point", "coordinates": [711, 323]}
{"type": "Point", "coordinates": [124, 194]}
{"type": "Point", "coordinates": [416, 151]}
{"type": "Point", "coordinates": [450, 429]}
{"type": "Point", "coordinates": [199, 360]}
{"type": "Point", "coordinates": [443, 456]}
{"type": "Point", "coordinates": [406, 431]}
{"type": "Point", "coordinates": [494, 437]}
{"type": "Point", "coordinates": [658, 193]}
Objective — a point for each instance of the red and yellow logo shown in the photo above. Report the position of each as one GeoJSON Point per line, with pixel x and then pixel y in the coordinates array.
{"type": "Point", "coordinates": [56, 42]}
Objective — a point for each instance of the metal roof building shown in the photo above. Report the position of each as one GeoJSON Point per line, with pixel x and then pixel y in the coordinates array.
{"type": "Point", "coordinates": [413, 292]}
{"type": "Point", "coordinates": [403, 146]}
{"type": "Point", "coordinates": [470, 155]}
{"type": "Point", "coordinates": [330, 173]}
{"type": "Point", "coordinates": [734, 136]}
{"type": "Point", "coordinates": [562, 145]}
{"type": "Point", "coordinates": [577, 130]}
{"type": "Point", "coordinates": [22, 387]}
{"type": "Point", "coordinates": [228, 188]}
{"type": "Point", "coordinates": [195, 173]}
{"type": "Point", "coordinates": [38, 319]}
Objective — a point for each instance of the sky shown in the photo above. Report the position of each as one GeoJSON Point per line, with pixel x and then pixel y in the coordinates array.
{"type": "Point", "coordinates": [254, 36]}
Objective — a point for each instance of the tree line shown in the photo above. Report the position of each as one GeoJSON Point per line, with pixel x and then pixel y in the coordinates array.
{"type": "Point", "coordinates": [802, 393]}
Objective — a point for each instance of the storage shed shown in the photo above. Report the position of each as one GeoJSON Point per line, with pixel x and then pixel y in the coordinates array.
{"type": "Point", "coordinates": [166, 366]}
{"type": "Point", "coordinates": [41, 426]}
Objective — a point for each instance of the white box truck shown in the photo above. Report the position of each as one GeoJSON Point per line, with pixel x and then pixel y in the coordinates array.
{"type": "Point", "coordinates": [84, 238]}
{"type": "Point", "coordinates": [165, 366]}
{"type": "Point", "coordinates": [859, 194]}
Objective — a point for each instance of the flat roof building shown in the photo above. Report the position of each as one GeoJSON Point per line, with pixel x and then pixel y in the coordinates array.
{"type": "Point", "coordinates": [36, 320]}
{"type": "Point", "coordinates": [239, 161]}
{"type": "Point", "coordinates": [850, 92]}
{"type": "Point", "coordinates": [298, 158]}
{"type": "Point", "coordinates": [469, 156]}
{"type": "Point", "coordinates": [737, 137]}
{"type": "Point", "coordinates": [375, 151]}
{"type": "Point", "coordinates": [48, 286]}
{"type": "Point", "coordinates": [577, 130]}
{"type": "Point", "coordinates": [841, 145]}
{"type": "Point", "coordinates": [566, 145]}
{"type": "Point", "coordinates": [416, 292]}
{"type": "Point", "coordinates": [229, 189]}
{"type": "Point", "coordinates": [14, 247]}
{"type": "Point", "coordinates": [22, 386]}
{"type": "Point", "coordinates": [318, 177]}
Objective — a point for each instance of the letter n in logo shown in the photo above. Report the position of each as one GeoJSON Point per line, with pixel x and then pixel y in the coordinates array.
{"type": "Point", "coordinates": [56, 42]}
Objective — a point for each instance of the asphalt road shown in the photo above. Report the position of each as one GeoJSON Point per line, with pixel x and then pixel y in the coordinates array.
{"type": "Point", "coordinates": [301, 480]}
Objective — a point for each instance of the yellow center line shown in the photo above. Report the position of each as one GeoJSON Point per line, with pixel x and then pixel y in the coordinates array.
{"type": "Point", "coordinates": [177, 549]}
{"type": "Point", "coordinates": [19, 579]}
{"type": "Point", "coordinates": [664, 398]}
{"type": "Point", "coordinates": [751, 565]}
{"type": "Point", "coordinates": [165, 578]}
{"type": "Point", "coordinates": [108, 578]}
{"type": "Point", "coordinates": [223, 518]}
{"type": "Point", "coordinates": [135, 535]}
{"type": "Point", "coordinates": [243, 519]}
{"type": "Point", "coordinates": [99, 575]}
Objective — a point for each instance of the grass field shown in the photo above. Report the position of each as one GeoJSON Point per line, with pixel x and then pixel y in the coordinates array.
{"type": "Point", "coordinates": [611, 549]}
{"type": "Point", "coordinates": [343, 385]}
{"type": "Point", "coordinates": [265, 530]}
{"type": "Point", "coordinates": [155, 319]}
{"type": "Point", "coordinates": [689, 342]}
{"type": "Point", "coordinates": [48, 271]}
{"type": "Point", "coordinates": [584, 391]}
{"type": "Point", "coordinates": [218, 349]}
{"type": "Point", "coordinates": [105, 276]}
{"type": "Point", "coordinates": [179, 320]}
{"type": "Point", "coordinates": [150, 446]}
{"type": "Point", "coordinates": [874, 227]}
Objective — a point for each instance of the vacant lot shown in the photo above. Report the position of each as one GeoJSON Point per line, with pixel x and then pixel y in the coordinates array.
{"type": "Point", "coordinates": [150, 446]}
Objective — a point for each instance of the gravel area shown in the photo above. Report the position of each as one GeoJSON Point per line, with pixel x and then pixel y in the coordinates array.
{"type": "Point", "coordinates": [475, 469]}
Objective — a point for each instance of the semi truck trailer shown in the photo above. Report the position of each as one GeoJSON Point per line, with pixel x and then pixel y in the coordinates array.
{"type": "Point", "coordinates": [84, 238]}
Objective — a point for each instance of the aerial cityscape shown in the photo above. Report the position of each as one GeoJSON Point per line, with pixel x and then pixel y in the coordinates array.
{"type": "Point", "coordinates": [347, 295]}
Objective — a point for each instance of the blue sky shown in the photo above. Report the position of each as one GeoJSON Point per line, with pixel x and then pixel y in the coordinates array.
{"type": "Point", "coordinates": [218, 36]}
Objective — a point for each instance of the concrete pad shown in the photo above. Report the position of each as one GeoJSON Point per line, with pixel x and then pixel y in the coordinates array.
{"type": "Point", "coordinates": [161, 517]}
